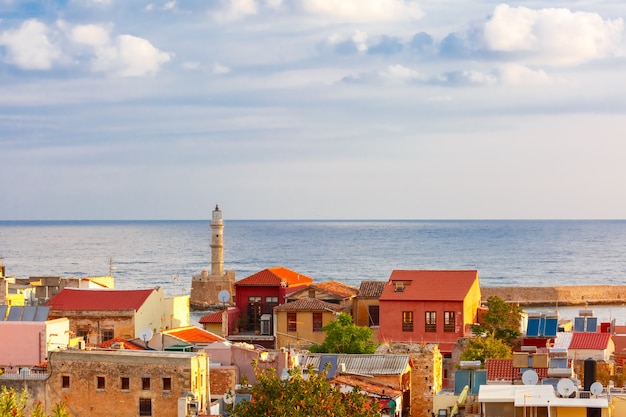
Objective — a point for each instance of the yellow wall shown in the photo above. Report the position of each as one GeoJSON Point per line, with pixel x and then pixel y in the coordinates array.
{"type": "Point", "coordinates": [471, 304]}
{"type": "Point", "coordinates": [304, 336]}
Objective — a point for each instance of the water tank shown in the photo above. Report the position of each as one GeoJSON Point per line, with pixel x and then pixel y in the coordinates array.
{"type": "Point", "coordinates": [590, 373]}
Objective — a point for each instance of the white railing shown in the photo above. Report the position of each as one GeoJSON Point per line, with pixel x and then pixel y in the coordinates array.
{"type": "Point", "coordinates": [25, 376]}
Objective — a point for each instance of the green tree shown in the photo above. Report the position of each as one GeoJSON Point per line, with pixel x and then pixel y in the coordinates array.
{"type": "Point", "coordinates": [13, 404]}
{"type": "Point", "coordinates": [307, 394]}
{"type": "Point", "coordinates": [343, 336]}
{"type": "Point", "coordinates": [502, 321]}
{"type": "Point", "coordinates": [481, 348]}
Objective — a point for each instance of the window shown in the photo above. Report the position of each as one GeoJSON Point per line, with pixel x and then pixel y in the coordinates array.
{"type": "Point", "coordinates": [100, 382]}
{"type": "Point", "coordinates": [448, 321]}
{"type": "Point", "coordinates": [125, 383]}
{"type": "Point", "coordinates": [399, 286]}
{"type": "Point", "coordinates": [292, 325]}
{"type": "Point", "coordinates": [407, 321]}
{"type": "Point", "coordinates": [374, 315]}
{"type": "Point", "coordinates": [317, 322]}
{"type": "Point", "coordinates": [167, 384]}
{"type": "Point", "coordinates": [270, 303]}
{"type": "Point", "coordinates": [107, 334]}
{"type": "Point", "coordinates": [82, 332]}
{"type": "Point", "coordinates": [431, 321]}
{"type": "Point", "coordinates": [65, 381]}
{"type": "Point", "coordinates": [145, 384]}
{"type": "Point", "coordinates": [311, 293]}
{"type": "Point", "coordinates": [145, 407]}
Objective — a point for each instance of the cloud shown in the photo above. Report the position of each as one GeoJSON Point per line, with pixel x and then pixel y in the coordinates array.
{"type": "Point", "coordinates": [354, 44]}
{"type": "Point", "coordinates": [237, 9]}
{"type": "Point", "coordinates": [91, 35]}
{"type": "Point", "coordinates": [29, 46]}
{"type": "Point", "coordinates": [422, 42]}
{"type": "Point", "coordinates": [515, 74]}
{"type": "Point", "coordinates": [129, 56]}
{"type": "Point", "coordinates": [386, 46]}
{"type": "Point", "coordinates": [556, 36]}
{"type": "Point", "coordinates": [400, 73]}
{"type": "Point", "coordinates": [220, 69]}
{"type": "Point", "coordinates": [364, 10]}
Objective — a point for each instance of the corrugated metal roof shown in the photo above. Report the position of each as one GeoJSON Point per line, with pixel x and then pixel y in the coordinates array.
{"type": "Point", "coordinates": [430, 285]}
{"type": "Point", "coordinates": [95, 299]}
{"type": "Point", "coordinates": [374, 364]}
{"type": "Point", "coordinates": [274, 277]}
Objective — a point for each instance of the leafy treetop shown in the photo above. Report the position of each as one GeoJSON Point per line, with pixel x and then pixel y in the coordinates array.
{"type": "Point", "coordinates": [343, 336]}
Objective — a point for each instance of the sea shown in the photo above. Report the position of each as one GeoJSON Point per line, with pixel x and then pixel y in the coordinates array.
{"type": "Point", "coordinates": [146, 254]}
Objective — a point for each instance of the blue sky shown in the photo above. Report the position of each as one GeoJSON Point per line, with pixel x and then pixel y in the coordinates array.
{"type": "Point", "coordinates": [312, 109]}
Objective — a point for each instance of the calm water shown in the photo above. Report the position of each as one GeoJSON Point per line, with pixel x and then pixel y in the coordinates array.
{"type": "Point", "coordinates": [167, 253]}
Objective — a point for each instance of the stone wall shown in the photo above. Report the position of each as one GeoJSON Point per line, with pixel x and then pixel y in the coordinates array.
{"type": "Point", "coordinates": [561, 295]}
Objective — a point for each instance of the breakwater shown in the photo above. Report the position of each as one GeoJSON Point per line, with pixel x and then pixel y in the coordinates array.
{"type": "Point", "coordinates": [574, 295]}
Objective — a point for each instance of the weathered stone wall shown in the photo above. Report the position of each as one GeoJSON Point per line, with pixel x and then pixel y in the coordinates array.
{"type": "Point", "coordinates": [563, 295]}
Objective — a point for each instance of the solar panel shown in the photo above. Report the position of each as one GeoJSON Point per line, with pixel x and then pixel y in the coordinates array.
{"type": "Point", "coordinates": [551, 327]}
{"type": "Point", "coordinates": [42, 313]}
{"type": "Point", "coordinates": [542, 326]}
{"type": "Point", "coordinates": [592, 324]}
{"type": "Point", "coordinates": [15, 313]}
{"type": "Point", "coordinates": [3, 312]}
{"type": "Point", "coordinates": [532, 330]}
{"type": "Point", "coordinates": [29, 313]}
{"type": "Point", "coordinates": [579, 324]}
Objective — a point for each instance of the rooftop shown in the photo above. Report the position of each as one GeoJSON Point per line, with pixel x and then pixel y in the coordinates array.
{"type": "Point", "coordinates": [276, 276]}
{"type": "Point", "coordinates": [96, 299]}
{"type": "Point", "coordinates": [442, 285]}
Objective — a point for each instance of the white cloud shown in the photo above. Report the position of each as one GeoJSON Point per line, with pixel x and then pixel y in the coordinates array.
{"type": "Point", "coordinates": [130, 56]}
{"type": "Point", "coordinates": [514, 74]}
{"type": "Point", "coordinates": [400, 73]}
{"type": "Point", "coordinates": [360, 40]}
{"type": "Point", "coordinates": [220, 69]}
{"type": "Point", "coordinates": [237, 9]}
{"type": "Point", "coordinates": [556, 36]}
{"type": "Point", "coordinates": [92, 35]}
{"type": "Point", "coordinates": [29, 46]}
{"type": "Point", "coordinates": [364, 10]}
{"type": "Point", "coordinates": [170, 5]}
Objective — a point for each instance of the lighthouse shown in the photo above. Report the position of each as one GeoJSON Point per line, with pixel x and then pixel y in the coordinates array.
{"type": "Point", "coordinates": [206, 286]}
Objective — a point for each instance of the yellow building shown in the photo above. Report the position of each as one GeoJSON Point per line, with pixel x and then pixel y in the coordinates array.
{"type": "Point", "coordinates": [299, 323]}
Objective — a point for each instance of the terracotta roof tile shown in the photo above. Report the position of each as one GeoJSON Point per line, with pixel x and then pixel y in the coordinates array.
{"type": "Point", "coordinates": [95, 299]}
{"type": "Point", "coordinates": [308, 304]}
{"type": "Point", "coordinates": [274, 277]}
{"type": "Point", "coordinates": [337, 288]}
{"type": "Point", "coordinates": [211, 318]}
{"type": "Point", "coordinates": [193, 334]}
{"type": "Point", "coordinates": [502, 370]}
{"type": "Point", "coordinates": [593, 341]}
{"type": "Point", "coordinates": [371, 289]}
{"type": "Point", "coordinates": [371, 387]}
{"type": "Point", "coordinates": [430, 285]}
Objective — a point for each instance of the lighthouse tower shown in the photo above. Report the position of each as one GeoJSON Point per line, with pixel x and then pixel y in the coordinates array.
{"type": "Point", "coordinates": [205, 287]}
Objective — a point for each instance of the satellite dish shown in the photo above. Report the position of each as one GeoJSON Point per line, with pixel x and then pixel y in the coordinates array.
{"type": "Point", "coordinates": [145, 335]}
{"type": "Point", "coordinates": [596, 388]}
{"type": "Point", "coordinates": [565, 387]}
{"type": "Point", "coordinates": [229, 397]}
{"type": "Point", "coordinates": [223, 296]}
{"type": "Point", "coordinates": [530, 377]}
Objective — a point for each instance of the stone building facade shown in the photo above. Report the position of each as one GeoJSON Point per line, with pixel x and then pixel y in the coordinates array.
{"type": "Point", "coordinates": [128, 383]}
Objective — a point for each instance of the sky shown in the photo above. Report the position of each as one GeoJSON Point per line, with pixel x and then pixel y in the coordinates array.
{"type": "Point", "coordinates": [312, 109]}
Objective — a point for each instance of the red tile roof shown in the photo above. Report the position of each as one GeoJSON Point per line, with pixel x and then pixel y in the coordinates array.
{"type": "Point", "coordinates": [308, 304]}
{"type": "Point", "coordinates": [93, 299]}
{"type": "Point", "coordinates": [274, 277]}
{"type": "Point", "coordinates": [193, 334]}
{"type": "Point", "coordinates": [337, 288]}
{"type": "Point", "coordinates": [502, 370]}
{"type": "Point", "coordinates": [211, 318]}
{"type": "Point", "coordinates": [429, 285]}
{"type": "Point", "coordinates": [592, 341]}
{"type": "Point", "coordinates": [127, 345]}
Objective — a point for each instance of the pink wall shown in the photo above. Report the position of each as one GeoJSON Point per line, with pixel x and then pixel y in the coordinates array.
{"type": "Point", "coordinates": [22, 343]}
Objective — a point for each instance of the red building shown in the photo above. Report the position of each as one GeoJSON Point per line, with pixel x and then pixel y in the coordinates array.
{"type": "Point", "coordinates": [259, 293]}
{"type": "Point", "coordinates": [428, 307]}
